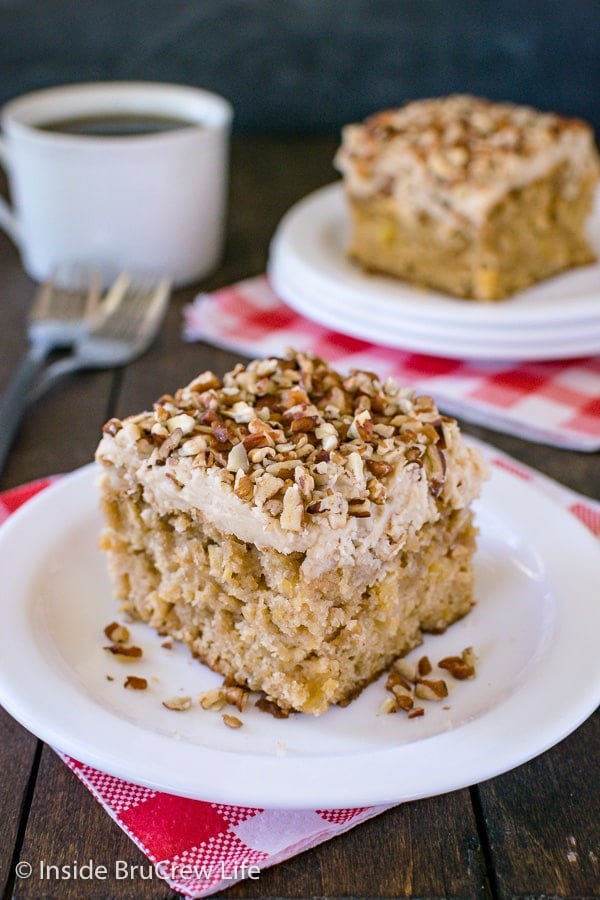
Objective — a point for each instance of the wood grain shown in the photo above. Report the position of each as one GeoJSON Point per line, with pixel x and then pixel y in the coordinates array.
{"type": "Point", "coordinates": [17, 760]}
{"type": "Point", "coordinates": [542, 820]}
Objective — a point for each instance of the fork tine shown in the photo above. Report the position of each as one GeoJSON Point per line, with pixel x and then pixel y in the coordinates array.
{"type": "Point", "coordinates": [117, 340]}
{"type": "Point", "coordinates": [116, 293]}
{"type": "Point", "coordinates": [94, 296]}
{"type": "Point", "coordinates": [41, 300]}
{"type": "Point", "coordinates": [135, 317]}
{"type": "Point", "coordinates": [65, 297]}
{"type": "Point", "coordinates": [157, 305]}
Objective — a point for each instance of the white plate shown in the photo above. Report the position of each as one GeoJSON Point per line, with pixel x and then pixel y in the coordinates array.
{"type": "Point", "coordinates": [452, 341]}
{"type": "Point", "coordinates": [535, 629]}
{"type": "Point", "coordinates": [310, 270]}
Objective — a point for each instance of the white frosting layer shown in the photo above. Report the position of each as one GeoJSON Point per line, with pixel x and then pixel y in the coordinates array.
{"type": "Point", "coordinates": [289, 455]}
{"type": "Point", "coordinates": [201, 492]}
{"type": "Point", "coordinates": [455, 158]}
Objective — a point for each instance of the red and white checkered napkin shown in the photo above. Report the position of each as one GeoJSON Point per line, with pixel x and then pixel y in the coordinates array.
{"type": "Point", "coordinates": [199, 848]}
{"type": "Point", "coordinates": [556, 403]}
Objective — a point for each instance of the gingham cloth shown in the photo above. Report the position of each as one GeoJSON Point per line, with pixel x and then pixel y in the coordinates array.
{"type": "Point", "coordinates": [199, 848]}
{"type": "Point", "coordinates": [556, 403]}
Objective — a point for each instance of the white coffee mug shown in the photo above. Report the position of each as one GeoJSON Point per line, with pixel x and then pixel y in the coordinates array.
{"type": "Point", "coordinates": [151, 202]}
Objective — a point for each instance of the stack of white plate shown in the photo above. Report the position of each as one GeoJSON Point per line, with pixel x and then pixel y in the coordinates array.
{"type": "Point", "coordinates": [310, 270]}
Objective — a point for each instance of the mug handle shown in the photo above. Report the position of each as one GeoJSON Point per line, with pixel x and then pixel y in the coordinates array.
{"type": "Point", "coordinates": [8, 219]}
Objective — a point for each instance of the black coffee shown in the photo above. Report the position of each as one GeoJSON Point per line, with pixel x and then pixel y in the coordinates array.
{"type": "Point", "coordinates": [115, 125]}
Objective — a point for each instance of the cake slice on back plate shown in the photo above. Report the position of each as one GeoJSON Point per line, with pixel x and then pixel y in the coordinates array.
{"type": "Point", "coordinates": [296, 528]}
{"type": "Point", "coordinates": [473, 198]}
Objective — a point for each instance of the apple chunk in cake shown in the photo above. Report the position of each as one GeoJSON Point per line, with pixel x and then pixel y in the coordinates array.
{"type": "Point", "coordinates": [473, 198]}
{"type": "Point", "coordinates": [296, 528]}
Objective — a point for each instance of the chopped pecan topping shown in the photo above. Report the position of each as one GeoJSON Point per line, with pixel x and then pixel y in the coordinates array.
{"type": "Point", "coordinates": [178, 704]}
{"type": "Point", "coordinates": [135, 684]}
{"type": "Point", "coordinates": [460, 667]}
{"type": "Point", "coordinates": [431, 689]}
{"type": "Point", "coordinates": [116, 633]}
{"type": "Point", "coordinates": [232, 721]}
{"type": "Point", "coordinates": [269, 706]}
{"type": "Point", "coordinates": [236, 696]}
{"type": "Point", "coordinates": [125, 653]}
{"type": "Point", "coordinates": [213, 699]}
{"type": "Point", "coordinates": [424, 666]}
{"type": "Point", "coordinates": [307, 440]}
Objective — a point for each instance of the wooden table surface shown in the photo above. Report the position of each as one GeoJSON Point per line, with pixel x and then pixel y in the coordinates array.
{"type": "Point", "coordinates": [532, 832]}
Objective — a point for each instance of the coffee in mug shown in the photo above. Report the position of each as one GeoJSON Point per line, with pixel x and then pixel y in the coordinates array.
{"type": "Point", "coordinates": [116, 175]}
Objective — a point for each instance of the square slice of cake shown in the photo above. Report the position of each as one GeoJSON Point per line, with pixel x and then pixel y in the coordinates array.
{"type": "Point", "coordinates": [473, 198]}
{"type": "Point", "coordinates": [296, 528]}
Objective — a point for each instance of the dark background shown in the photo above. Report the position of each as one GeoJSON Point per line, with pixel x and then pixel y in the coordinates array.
{"type": "Point", "coordinates": [310, 65]}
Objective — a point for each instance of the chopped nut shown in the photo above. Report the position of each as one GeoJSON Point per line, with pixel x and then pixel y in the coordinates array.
{"type": "Point", "coordinates": [431, 689]}
{"type": "Point", "coordinates": [204, 382]}
{"type": "Point", "coordinates": [232, 721]}
{"type": "Point", "coordinates": [193, 445]}
{"type": "Point", "coordinates": [362, 426]}
{"type": "Point", "coordinates": [435, 463]}
{"type": "Point", "coordinates": [328, 435]}
{"type": "Point", "coordinates": [405, 668]}
{"type": "Point", "coordinates": [205, 459]}
{"type": "Point", "coordinates": [404, 701]}
{"type": "Point", "coordinates": [295, 397]}
{"type": "Point", "coordinates": [415, 712]}
{"type": "Point", "coordinates": [243, 487]}
{"type": "Point", "coordinates": [378, 467]}
{"type": "Point", "coordinates": [184, 421]}
{"type": "Point", "coordinates": [123, 653]}
{"type": "Point", "coordinates": [359, 508]}
{"type": "Point", "coordinates": [118, 634]}
{"type": "Point", "coordinates": [377, 492]}
{"type": "Point", "coordinates": [242, 412]}
{"type": "Point", "coordinates": [396, 679]}
{"type": "Point", "coordinates": [304, 423]}
{"type": "Point", "coordinates": [170, 444]}
{"type": "Point", "coordinates": [267, 486]}
{"type": "Point", "coordinates": [236, 696]}
{"type": "Point", "coordinates": [223, 433]}
{"type": "Point", "coordinates": [271, 707]}
{"type": "Point", "coordinates": [237, 459]}
{"type": "Point", "coordinates": [305, 481]}
{"type": "Point", "coordinates": [257, 441]}
{"type": "Point", "coordinates": [389, 705]}
{"type": "Point", "coordinates": [457, 667]}
{"type": "Point", "coordinates": [213, 699]}
{"type": "Point", "coordinates": [135, 684]}
{"type": "Point", "coordinates": [112, 426]}
{"type": "Point", "coordinates": [168, 645]}
{"type": "Point", "coordinates": [469, 656]}
{"type": "Point", "coordinates": [260, 453]}
{"type": "Point", "coordinates": [178, 704]}
{"type": "Point", "coordinates": [293, 509]}
{"type": "Point", "coordinates": [424, 666]}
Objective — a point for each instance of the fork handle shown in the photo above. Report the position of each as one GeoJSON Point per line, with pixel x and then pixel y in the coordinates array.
{"type": "Point", "coordinates": [55, 372]}
{"type": "Point", "coordinates": [14, 400]}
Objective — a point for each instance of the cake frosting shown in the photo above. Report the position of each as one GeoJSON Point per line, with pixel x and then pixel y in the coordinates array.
{"type": "Point", "coordinates": [453, 158]}
{"type": "Point", "coordinates": [286, 454]}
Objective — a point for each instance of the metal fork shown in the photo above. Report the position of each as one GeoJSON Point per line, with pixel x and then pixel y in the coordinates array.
{"type": "Point", "coordinates": [63, 308]}
{"type": "Point", "coordinates": [132, 311]}
{"type": "Point", "coordinates": [118, 339]}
